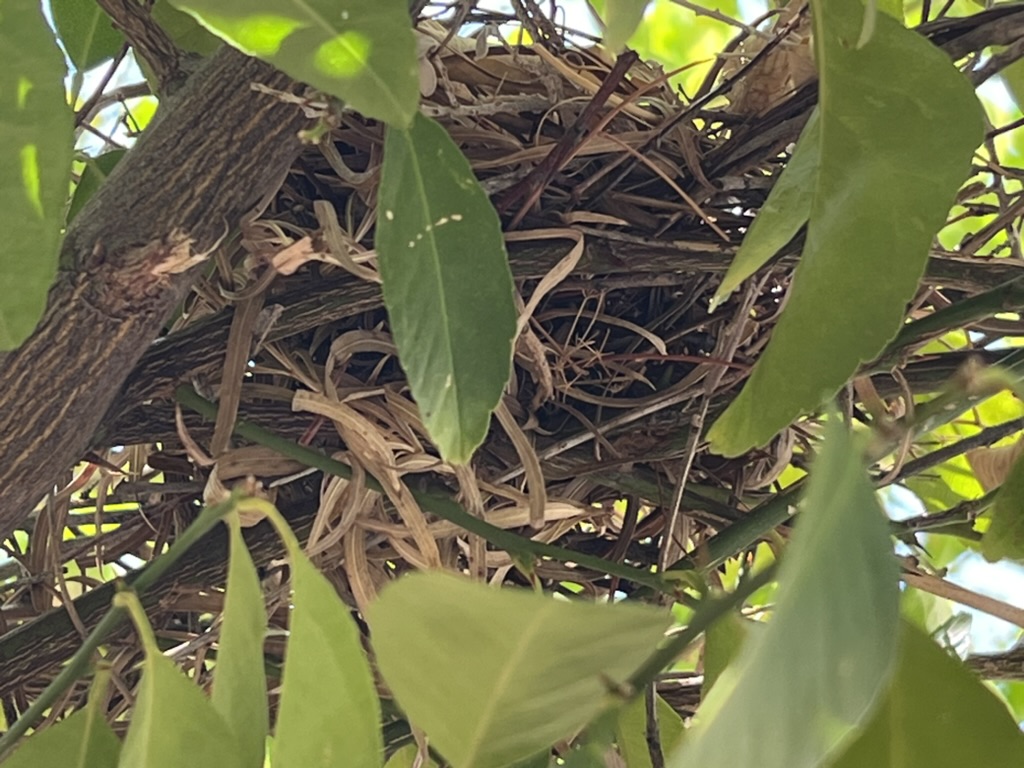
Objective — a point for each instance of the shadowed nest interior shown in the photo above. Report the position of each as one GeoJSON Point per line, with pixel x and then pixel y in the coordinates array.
{"type": "Point", "coordinates": [623, 202]}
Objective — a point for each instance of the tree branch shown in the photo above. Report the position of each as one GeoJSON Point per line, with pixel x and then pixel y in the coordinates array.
{"type": "Point", "coordinates": [208, 156]}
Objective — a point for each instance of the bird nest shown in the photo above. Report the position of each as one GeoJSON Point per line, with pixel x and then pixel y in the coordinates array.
{"type": "Point", "coordinates": [623, 202]}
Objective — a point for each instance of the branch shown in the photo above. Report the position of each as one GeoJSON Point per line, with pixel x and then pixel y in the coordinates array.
{"type": "Point", "coordinates": [208, 156]}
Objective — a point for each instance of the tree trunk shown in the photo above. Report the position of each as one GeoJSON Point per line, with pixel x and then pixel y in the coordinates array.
{"type": "Point", "coordinates": [212, 151]}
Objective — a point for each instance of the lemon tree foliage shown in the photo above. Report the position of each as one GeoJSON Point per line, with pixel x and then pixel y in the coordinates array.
{"type": "Point", "coordinates": [361, 51]}
{"type": "Point", "coordinates": [35, 158]}
{"type": "Point", "coordinates": [533, 648]}
{"type": "Point", "coordinates": [836, 672]}
{"type": "Point", "coordinates": [882, 160]}
{"type": "Point", "coordinates": [446, 284]}
{"type": "Point", "coordinates": [525, 671]}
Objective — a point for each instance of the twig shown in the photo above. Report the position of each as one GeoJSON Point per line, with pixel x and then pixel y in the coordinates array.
{"type": "Point", "coordinates": [942, 588]}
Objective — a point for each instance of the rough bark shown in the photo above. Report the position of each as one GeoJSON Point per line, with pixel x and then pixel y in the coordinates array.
{"type": "Point", "coordinates": [212, 151]}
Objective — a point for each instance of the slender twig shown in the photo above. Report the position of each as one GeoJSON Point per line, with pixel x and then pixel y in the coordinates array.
{"type": "Point", "coordinates": [942, 588]}
{"type": "Point", "coordinates": [438, 501]}
{"type": "Point", "coordinates": [114, 617]}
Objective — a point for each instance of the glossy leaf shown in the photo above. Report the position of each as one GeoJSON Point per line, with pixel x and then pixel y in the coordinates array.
{"type": "Point", "coordinates": [936, 713]}
{"type": "Point", "coordinates": [498, 675]}
{"type": "Point", "coordinates": [631, 731]}
{"type": "Point", "coordinates": [172, 718]}
{"type": "Point", "coordinates": [899, 124]}
{"type": "Point", "coordinates": [35, 165]}
{"type": "Point", "coordinates": [621, 19]}
{"type": "Point", "coordinates": [83, 740]}
{"type": "Point", "coordinates": [783, 213]}
{"type": "Point", "coordinates": [240, 685]}
{"type": "Point", "coordinates": [86, 31]}
{"type": "Point", "coordinates": [329, 713]}
{"type": "Point", "coordinates": [362, 51]}
{"type": "Point", "coordinates": [802, 686]}
{"type": "Point", "coordinates": [447, 284]}
{"type": "Point", "coordinates": [1005, 534]}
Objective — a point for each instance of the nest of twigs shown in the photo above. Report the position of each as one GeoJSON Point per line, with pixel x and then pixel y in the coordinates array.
{"type": "Point", "coordinates": [623, 201]}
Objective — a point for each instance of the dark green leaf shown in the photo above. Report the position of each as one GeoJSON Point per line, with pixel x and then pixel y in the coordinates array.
{"type": "Point", "coordinates": [801, 687]}
{"type": "Point", "coordinates": [899, 124]}
{"type": "Point", "coordinates": [783, 213]}
{"type": "Point", "coordinates": [95, 173]}
{"type": "Point", "coordinates": [498, 675]}
{"type": "Point", "coordinates": [240, 685]}
{"type": "Point", "coordinates": [329, 713]}
{"type": "Point", "coordinates": [86, 31]}
{"type": "Point", "coordinates": [447, 284]}
{"type": "Point", "coordinates": [362, 51]}
{"type": "Point", "coordinates": [35, 158]}
{"type": "Point", "coordinates": [936, 713]}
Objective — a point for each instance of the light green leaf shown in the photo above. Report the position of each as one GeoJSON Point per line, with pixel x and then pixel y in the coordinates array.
{"type": "Point", "coordinates": [892, 7]}
{"type": "Point", "coordinates": [1013, 76]}
{"type": "Point", "coordinates": [362, 51]}
{"type": "Point", "coordinates": [405, 756]}
{"type": "Point", "coordinates": [1005, 534]}
{"type": "Point", "coordinates": [498, 675]}
{"type": "Point", "coordinates": [172, 718]}
{"type": "Point", "coordinates": [936, 713]}
{"type": "Point", "coordinates": [621, 19]}
{"type": "Point", "coordinates": [447, 284]}
{"type": "Point", "coordinates": [83, 740]}
{"type": "Point", "coordinates": [898, 126]}
{"type": "Point", "coordinates": [187, 33]}
{"type": "Point", "coordinates": [802, 686]}
{"type": "Point", "coordinates": [240, 685]}
{"type": "Point", "coordinates": [722, 643]}
{"type": "Point", "coordinates": [329, 713]}
{"type": "Point", "coordinates": [783, 213]}
{"type": "Point", "coordinates": [86, 31]}
{"type": "Point", "coordinates": [35, 165]}
{"type": "Point", "coordinates": [631, 731]}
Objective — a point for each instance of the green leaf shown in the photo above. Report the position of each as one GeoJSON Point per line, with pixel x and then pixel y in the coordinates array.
{"type": "Point", "coordinates": [801, 687]}
{"type": "Point", "coordinates": [899, 124]}
{"type": "Point", "coordinates": [35, 165]}
{"type": "Point", "coordinates": [95, 173]}
{"type": "Point", "coordinates": [783, 213]}
{"type": "Point", "coordinates": [172, 718]}
{"type": "Point", "coordinates": [621, 19]}
{"type": "Point", "coordinates": [631, 731]}
{"type": "Point", "coordinates": [447, 284]}
{"type": "Point", "coordinates": [329, 713]}
{"type": "Point", "coordinates": [185, 31]}
{"type": "Point", "coordinates": [83, 740]}
{"type": "Point", "coordinates": [240, 685]}
{"type": "Point", "coordinates": [362, 51]}
{"type": "Point", "coordinates": [86, 31]}
{"type": "Point", "coordinates": [405, 756]}
{"type": "Point", "coordinates": [498, 675]}
{"type": "Point", "coordinates": [936, 713]}
{"type": "Point", "coordinates": [722, 643]}
{"type": "Point", "coordinates": [1005, 534]}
